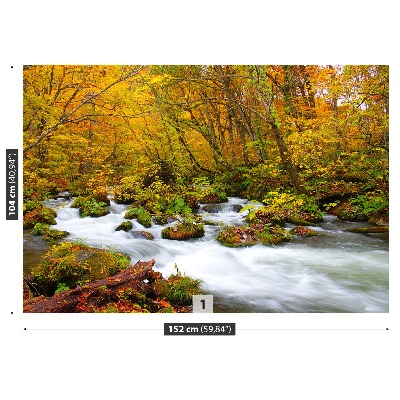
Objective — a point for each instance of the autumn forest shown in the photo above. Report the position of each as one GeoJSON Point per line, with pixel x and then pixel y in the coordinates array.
{"type": "Point", "coordinates": [291, 149]}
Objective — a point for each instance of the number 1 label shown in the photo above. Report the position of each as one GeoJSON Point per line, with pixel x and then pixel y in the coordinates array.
{"type": "Point", "coordinates": [203, 303]}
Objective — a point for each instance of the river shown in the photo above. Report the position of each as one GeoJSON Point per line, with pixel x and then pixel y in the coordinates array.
{"type": "Point", "coordinates": [335, 272]}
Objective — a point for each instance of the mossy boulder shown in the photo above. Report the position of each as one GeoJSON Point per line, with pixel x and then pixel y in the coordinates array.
{"type": "Point", "coordinates": [35, 212]}
{"type": "Point", "coordinates": [183, 231]}
{"type": "Point", "coordinates": [124, 226]}
{"type": "Point", "coordinates": [47, 233]}
{"type": "Point", "coordinates": [141, 214]}
{"type": "Point", "coordinates": [74, 264]}
{"type": "Point", "coordinates": [90, 207]}
{"type": "Point", "coordinates": [243, 236]}
{"type": "Point", "coordinates": [40, 229]}
{"type": "Point", "coordinates": [55, 234]}
{"type": "Point", "coordinates": [299, 220]}
{"type": "Point", "coordinates": [266, 216]}
{"type": "Point", "coordinates": [303, 231]}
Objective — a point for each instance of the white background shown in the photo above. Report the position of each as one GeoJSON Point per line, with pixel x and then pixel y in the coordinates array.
{"type": "Point", "coordinates": [277, 356]}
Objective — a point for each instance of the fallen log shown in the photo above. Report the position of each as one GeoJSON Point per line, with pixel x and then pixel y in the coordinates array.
{"type": "Point", "coordinates": [131, 289]}
{"type": "Point", "coordinates": [370, 229]}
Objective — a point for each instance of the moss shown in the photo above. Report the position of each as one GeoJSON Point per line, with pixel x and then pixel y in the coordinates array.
{"type": "Point", "coordinates": [47, 233]}
{"type": "Point", "coordinates": [251, 235]}
{"type": "Point", "coordinates": [267, 216]}
{"type": "Point", "coordinates": [178, 290]}
{"type": "Point", "coordinates": [303, 231]}
{"type": "Point", "coordinates": [274, 235]}
{"type": "Point", "coordinates": [133, 296]}
{"type": "Point", "coordinates": [298, 220]}
{"type": "Point", "coordinates": [161, 219]}
{"type": "Point", "coordinates": [35, 212]}
{"type": "Point", "coordinates": [40, 229]}
{"type": "Point", "coordinates": [166, 310]}
{"type": "Point", "coordinates": [238, 236]}
{"type": "Point", "coordinates": [73, 264]}
{"type": "Point", "coordinates": [370, 229]}
{"type": "Point", "coordinates": [141, 214]}
{"type": "Point", "coordinates": [55, 234]}
{"type": "Point", "coordinates": [183, 231]}
{"type": "Point", "coordinates": [125, 226]}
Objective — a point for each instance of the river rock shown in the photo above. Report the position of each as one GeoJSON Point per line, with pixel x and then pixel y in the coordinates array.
{"type": "Point", "coordinates": [142, 235]}
{"type": "Point", "coordinates": [211, 208]}
{"type": "Point", "coordinates": [125, 226]}
{"type": "Point", "coordinates": [183, 231]}
{"type": "Point", "coordinates": [244, 236]}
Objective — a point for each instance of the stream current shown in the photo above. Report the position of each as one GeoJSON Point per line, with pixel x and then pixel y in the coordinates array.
{"type": "Point", "coordinates": [337, 271]}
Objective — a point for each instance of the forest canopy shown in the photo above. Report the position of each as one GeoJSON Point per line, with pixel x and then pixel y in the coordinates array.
{"type": "Point", "coordinates": [254, 129]}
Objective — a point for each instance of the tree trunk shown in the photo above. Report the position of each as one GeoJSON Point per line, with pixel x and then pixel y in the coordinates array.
{"type": "Point", "coordinates": [287, 160]}
{"type": "Point", "coordinates": [99, 293]}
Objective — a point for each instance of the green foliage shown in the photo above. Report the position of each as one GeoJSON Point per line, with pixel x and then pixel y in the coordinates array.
{"type": "Point", "coordinates": [38, 187]}
{"type": "Point", "coordinates": [205, 192]}
{"type": "Point", "coordinates": [129, 187]}
{"type": "Point", "coordinates": [74, 264]}
{"type": "Point", "coordinates": [40, 229]}
{"type": "Point", "coordinates": [183, 230]}
{"type": "Point", "coordinates": [264, 178]}
{"type": "Point", "coordinates": [177, 206]}
{"type": "Point", "coordinates": [90, 207]}
{"type": "Point", "coordinates": [47, 233]}
{"type": "Point", "coordinates": [284, 207]}
{"type": "Point", "coordinates": [349, 173]}
{"type": "Point", "coordinates": [61, 287]}
{"type": "Point", "coordinates": [303, 206]}
{"type": "Point", "coordinates": [134, 296]}
{"type": "Point", "coordinates": [34, 212]}
{"type": "Point", "coordinates": [370, 203]}
{"type": "Point", "coordinates": [236, 181]}
{"type": "Point", "coordinates": [55, 234]}
{"type": "Point", "coordinates": [141, 214]}
{"type": "Point", "coordinates": [180, 289]}
{"type": "Point", "coordinates": [363, 207]}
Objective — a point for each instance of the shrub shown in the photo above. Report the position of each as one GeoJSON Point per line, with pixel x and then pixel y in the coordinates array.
{"type": "Point", "coordinates": [363, 207]}
{"type": "Point", "coordinates": [178, 290]}
{"type": "Point", "coordinates": [90, 207]}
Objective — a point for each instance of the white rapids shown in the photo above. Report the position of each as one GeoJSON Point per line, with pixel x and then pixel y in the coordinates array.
{"type": "Point", "coordinates": [334, 272]}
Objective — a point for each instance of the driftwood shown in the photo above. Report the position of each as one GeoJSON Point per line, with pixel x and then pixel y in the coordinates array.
{"type": "Point", "coordinates": [133, 284]}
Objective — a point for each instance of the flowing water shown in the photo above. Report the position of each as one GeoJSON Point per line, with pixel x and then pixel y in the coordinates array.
{"type": "Point", "coordinates": [337, 271]}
